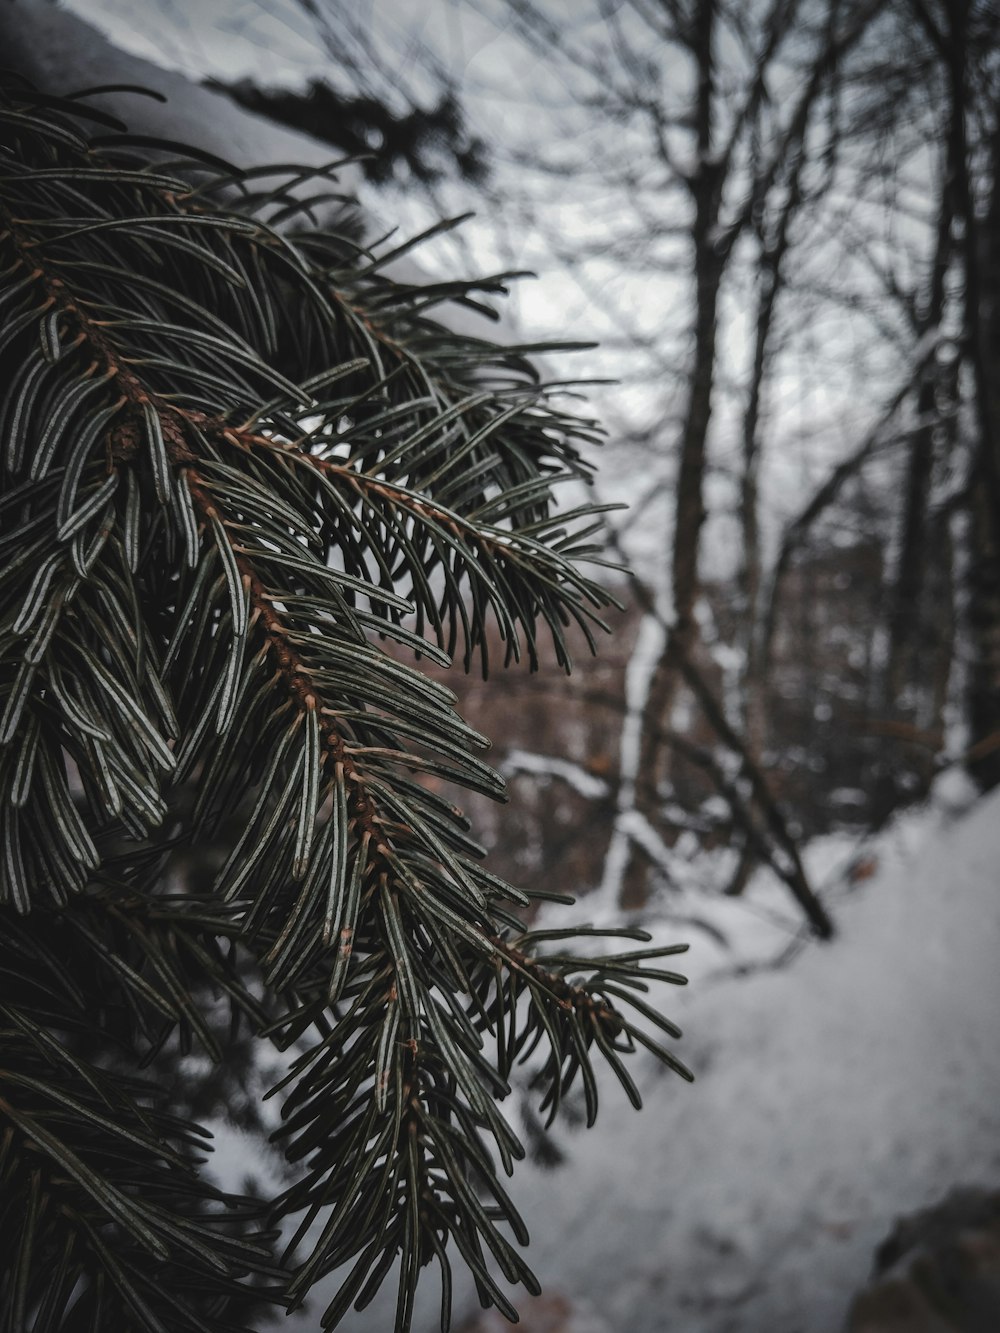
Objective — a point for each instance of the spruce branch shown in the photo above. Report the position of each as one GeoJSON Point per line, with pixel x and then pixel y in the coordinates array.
{"type": "Point", "coordinates": [236, 463]}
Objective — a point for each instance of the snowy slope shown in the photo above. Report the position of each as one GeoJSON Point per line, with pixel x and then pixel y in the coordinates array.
{"type": "Point", "coordinates": [60, 52]}
{"type": "Point", "coordinates": [859, 1082]}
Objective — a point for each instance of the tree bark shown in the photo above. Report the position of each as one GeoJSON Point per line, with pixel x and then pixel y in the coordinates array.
{"type": "Point", "coordinates": [984, 606]}
{"type": "Point", "coordinates": [981, 263]}
{"type": "Point", "coordinates": [689, 511]}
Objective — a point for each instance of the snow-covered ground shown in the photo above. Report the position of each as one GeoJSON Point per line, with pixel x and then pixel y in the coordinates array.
{"type": "Point", "coordinates": [848, 1085]}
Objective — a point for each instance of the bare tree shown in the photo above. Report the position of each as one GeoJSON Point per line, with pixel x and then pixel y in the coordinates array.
{"type": "Point", "coordinates": [777, 217]}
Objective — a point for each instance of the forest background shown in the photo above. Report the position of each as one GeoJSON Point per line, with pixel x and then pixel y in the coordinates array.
{"type": "Point", "coordinates": [780, 222]}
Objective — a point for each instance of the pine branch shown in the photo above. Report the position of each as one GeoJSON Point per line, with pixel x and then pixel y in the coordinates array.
{"type": "Point", "coordinates": [230, 473]}
{"type": "Point", "coordinates": [106, 1215]}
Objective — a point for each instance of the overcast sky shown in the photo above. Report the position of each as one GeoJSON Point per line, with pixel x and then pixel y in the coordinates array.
{"type": "Point", "coordinates": [827, 389]}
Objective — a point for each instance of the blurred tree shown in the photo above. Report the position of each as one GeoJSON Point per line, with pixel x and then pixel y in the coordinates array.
{"type": "Point", "coordinates": [239, 465]}
{"type": "Point", "coordinates": [781, 217]}
{"type": "Point", "coordinates": [425, 142]}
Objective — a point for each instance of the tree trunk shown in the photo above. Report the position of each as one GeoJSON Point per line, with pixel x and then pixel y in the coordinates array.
{"type": "Point", "coordinates": [981, 255]}
{"type": "Point", "coordinates": [689, 512]}
{"type": "Point", "coordinates": [907, 613]}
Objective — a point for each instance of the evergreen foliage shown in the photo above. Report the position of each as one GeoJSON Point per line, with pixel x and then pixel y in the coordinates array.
{"type": "Point", "coordinates": [248, 485]}
{"type": "Point", "coordinates": [425, 143]}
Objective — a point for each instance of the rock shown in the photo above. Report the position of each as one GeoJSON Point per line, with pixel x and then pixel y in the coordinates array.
{"type": "Point", "coordinates": [938, 1271]}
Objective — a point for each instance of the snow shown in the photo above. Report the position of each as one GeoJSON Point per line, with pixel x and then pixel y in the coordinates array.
{"type": "Point", "coordinates": [551, 766]}
{"type": "Point", "coordinates": [854, 1083]}
{"type": "Point", "coordinates": [637, 828]}
{"type": "Point", "coordinates": [638, 682]}
{"type": "Point", "coordinates": [50, 45]}
{"type": "Point", "coordinates": [57, 50]}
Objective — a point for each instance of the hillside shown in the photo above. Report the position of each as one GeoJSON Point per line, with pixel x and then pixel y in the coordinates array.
{"type": "Point", "coordinates": [854, 1083]}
